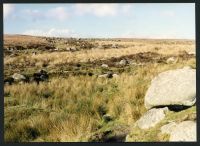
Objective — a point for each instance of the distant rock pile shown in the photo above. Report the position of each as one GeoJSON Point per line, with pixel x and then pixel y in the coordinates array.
{"type": "Point", "coordinates": [108, 75]}
{"type": "Point", "coordinates": [39, 76]}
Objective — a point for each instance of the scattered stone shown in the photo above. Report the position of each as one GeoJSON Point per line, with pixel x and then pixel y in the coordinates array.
{"type": "Point", "coordinates": [115, 75]}
{"type": "Point", "coordinates": [172, 60]}
{"type": "Point", "coordinates": [107, 118]}
{"type": "Point", "coordinates": [173, 87]}
{"type": "Point", "coordinates": [104, 65]}
{"type": "Point", "coordinates": [185, 131]}
{"type": "Point", "coordinates": [108, 75]}
{"type": "Point", "coordinates": [73, 49]}
{"type": "Point", "coordinates": [18, 77]}
{"type": "Point", "coordinates": [123, 62]}
{"type": "Point", "coordinates": [115, 46]}
{"type": "Point", "coordinates": [151, 118]}
{"type": "Point", "coordinates": [192, 53]}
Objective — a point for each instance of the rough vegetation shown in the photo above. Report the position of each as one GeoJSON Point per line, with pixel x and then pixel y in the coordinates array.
{"type": "Point", "coordinates": [86, 89]}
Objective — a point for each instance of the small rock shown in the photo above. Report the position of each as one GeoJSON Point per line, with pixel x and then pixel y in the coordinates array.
{"type": "Point", "coordinates": [151, 118]}
{"type": "Point", "coordinates": [114, 46]}
{"type": "Point", "coordinates": [107, 118]}
{"type": "Point", "coordinates": [73, 49]}
{"type": "Point", "coordinates": [115, 75]}
{"type": "Point", "coordinates": [107, 75]}
{"type": "Point", "coordinates": [171, 60]}
{"type": "Point", "coordinates": [104, 65]}
{"type": "Point", "coordinates": [18, 77]}
{"type": "Point", "coordinates": [185, 131]}
{"type": "Point", "coordinates": [123, 62]}
{"type": "Point", "coordinates": [192, 53]}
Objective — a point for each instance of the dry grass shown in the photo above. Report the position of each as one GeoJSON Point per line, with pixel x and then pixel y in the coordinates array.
{"type": "Point", "coordinates": [71, 108]}
{"type": "Point", "coordinates": [90, 55]}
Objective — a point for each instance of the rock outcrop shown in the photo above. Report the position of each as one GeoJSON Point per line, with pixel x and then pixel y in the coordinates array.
{"type": "Point", "coordinates": [173, 87]}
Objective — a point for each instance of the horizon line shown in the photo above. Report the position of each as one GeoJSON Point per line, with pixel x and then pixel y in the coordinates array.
{"type": "Point", "coordinates": [148, 38]}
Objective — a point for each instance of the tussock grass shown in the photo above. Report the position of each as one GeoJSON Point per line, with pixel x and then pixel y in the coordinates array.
{"type": "Point", "coordinates": [70, 109]}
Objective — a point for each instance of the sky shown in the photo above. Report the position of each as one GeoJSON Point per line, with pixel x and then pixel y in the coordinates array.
{"type": "Point", "coordinates": [128, 20]}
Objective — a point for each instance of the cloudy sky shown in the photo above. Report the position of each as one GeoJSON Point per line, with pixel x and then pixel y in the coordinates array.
{"type": "Point", "coordinates": [101, 20]}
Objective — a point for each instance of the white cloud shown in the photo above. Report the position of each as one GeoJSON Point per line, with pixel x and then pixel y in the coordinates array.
{"type": "Point", "coordinates": [58, 13]}
{"type": "Point", "coordinates": [8, 10]}
{"type": "Point", "coordinates": [168, 13]}
{"type": "Point", "coordinates": [101, 10]}
{"type": "Point", "coordinates": [53, 32]}
{"type": "Point", "coordinates": [126, 8]}
{"type": "Point", "coordinates": [34, 14]}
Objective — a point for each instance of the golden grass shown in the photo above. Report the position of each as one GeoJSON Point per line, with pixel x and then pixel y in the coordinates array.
{"type": "Point", "coordinates": [55, 58]}
{"type": "Point", "coordinates": [71, 109]}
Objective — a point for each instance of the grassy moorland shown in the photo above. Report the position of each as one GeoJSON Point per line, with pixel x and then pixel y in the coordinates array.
{"type": "Point", "coordinates": [71, 105]}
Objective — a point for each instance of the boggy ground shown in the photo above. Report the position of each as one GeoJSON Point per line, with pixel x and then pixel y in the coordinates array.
{"type": "Point", "coordinates": [72, 105]}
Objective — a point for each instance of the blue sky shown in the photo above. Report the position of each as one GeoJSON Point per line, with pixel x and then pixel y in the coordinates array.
{"type": "Point", "coordinates": [101, 20]}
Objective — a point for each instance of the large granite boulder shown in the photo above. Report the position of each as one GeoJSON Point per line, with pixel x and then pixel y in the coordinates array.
{"type": "Point", "coordinates": [173, 87]}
